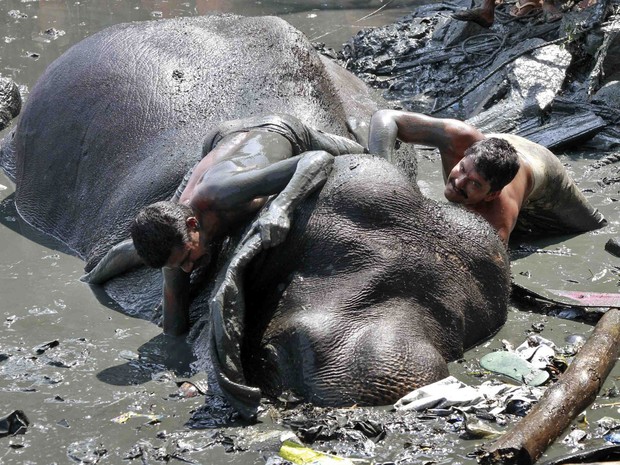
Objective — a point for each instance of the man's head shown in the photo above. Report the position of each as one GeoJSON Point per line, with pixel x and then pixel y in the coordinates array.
{"type": "Point", "coordinates": [487, 166]}
{"type": "Point", "coordinates": [168, 234]}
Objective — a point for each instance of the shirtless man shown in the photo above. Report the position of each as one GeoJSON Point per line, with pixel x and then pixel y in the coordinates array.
{"type": "Point", "coordinates": [506, 179]}
{"type": "Point", "coordinates": [244, 163]}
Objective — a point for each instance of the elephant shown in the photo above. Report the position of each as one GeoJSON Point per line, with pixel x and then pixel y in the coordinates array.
{"type": "Point", "coordinates": [375, 288]}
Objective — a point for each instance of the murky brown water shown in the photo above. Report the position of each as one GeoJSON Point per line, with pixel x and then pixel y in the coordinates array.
{"type": "Point", "coordinates": [100, 363]}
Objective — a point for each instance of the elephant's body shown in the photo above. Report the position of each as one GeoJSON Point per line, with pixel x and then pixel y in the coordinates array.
{"type": "Point", "coordinates": [375, 287]}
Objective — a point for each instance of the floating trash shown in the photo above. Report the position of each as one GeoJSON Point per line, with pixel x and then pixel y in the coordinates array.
{"type": "Point", "coordinates": [14, 423]}
{"type": "Point", "coordinates": [477, 429]}
{"type": "Point", "coordinates": [125, 417]}
{"type": "Point", "coordinates": [88, 451]}
{"type": "Point", "coordinates": [513, 366]}
{"type": "Point", "coordinates": [614, 437]}
{"type": "Point", "coordinates": [301, 455]}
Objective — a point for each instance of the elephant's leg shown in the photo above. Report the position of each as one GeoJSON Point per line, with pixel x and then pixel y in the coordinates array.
{"type": "Point", "coordinates": [119, 259]}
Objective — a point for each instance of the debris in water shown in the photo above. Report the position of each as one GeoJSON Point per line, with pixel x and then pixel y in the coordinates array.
{"type": "Point", "coordinates": [301, 455]}
{"type": "Point", "coordinates": [125, 417]}
{"type": "Point", "coordinates": [513, 366]}
{"type": "Point", "coordinates": [14, 423]}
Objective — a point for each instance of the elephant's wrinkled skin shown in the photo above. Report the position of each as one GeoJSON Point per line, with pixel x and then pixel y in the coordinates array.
{"type": "Point", "coordinates": [376, 286]}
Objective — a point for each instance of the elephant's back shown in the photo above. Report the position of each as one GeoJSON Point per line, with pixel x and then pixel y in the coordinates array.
{"type": "Point", "coordinates": [115, 122]}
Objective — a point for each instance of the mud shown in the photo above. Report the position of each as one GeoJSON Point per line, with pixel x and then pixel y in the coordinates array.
{"type": "Point", "coordinates": [97, 385]}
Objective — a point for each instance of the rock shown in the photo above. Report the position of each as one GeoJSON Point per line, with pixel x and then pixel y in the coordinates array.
{"type": "Point", "coordinates": [609, 94]}
{"type": "Point", "coordinates": [10, 101]}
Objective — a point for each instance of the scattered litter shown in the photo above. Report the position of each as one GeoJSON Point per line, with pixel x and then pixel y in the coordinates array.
{"type": "Point", "coordinates": [125, 417]}
{"type": "Point", "coordinates": [570, 313]}
{"type": "Point", "coordinates": [609, 423]}
{"type": "Point", "coordinates": [491, 396]}
{"type": "Point", "coordinates": [515, 367]}
{"type": "Point", "coordinates": [14, 423]}
{"type": "Point", "coordinates": [190, 389]}
{"type": "Point", "coordinates": [613, 247]}
{"type": "Point", "coordinates": [54, 33]}
{"type": "Point", "coordinates": [41, 348]}
{"type": "Point", "coordinates": [614, 437]}
{"type": "Point", "coordinates": [442, 394]}
{"type": "Point", "coordinates": [476, 429]}
{"type": "Point", "coordinates": [64, 423]}
{"type": "Point", "coordinates": [537, 350]}
{"type": "Point", "coordinates": [574, 438]}
{"type": "Point", "coordinates": [88, 451]}
{"type": "Point", "coordinates": [301, 455]}
{"type": "Point", "coordinates": [17, 14]}
{"type": "Point", "coordinates": [10, 320]}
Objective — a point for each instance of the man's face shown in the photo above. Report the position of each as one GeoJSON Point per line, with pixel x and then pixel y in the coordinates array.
{"type": "Point", "coordinates": [191, 252]}
{"type": "Point", "coordinates": [466, 186]}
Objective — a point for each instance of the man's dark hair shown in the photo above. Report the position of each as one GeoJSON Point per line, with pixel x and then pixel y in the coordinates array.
{"type": "Point", "coordinates": [157, 229]}
{"type": "Point", "coordinates": [496, 160]}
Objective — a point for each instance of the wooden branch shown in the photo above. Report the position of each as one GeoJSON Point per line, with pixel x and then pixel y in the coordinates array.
{"type": "Point", "coordinates": [562, 402]}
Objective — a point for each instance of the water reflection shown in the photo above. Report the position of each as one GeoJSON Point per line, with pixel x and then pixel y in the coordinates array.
{"type": "Point", "coordinates": [160, 354]}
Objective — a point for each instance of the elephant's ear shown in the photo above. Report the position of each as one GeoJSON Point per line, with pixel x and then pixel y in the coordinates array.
{"type": "Point", "coordinates": [227, 311]}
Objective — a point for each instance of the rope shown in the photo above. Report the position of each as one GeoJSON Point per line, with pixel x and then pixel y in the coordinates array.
{"type": "Point", "coordinates": [498, 68]}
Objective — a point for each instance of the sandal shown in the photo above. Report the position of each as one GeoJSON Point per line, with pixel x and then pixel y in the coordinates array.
{"type": "Point", "coordinates": [519, 10]}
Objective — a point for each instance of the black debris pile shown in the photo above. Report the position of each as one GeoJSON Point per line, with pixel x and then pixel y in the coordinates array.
{"type": "Point", "coordinates": [556, 83]}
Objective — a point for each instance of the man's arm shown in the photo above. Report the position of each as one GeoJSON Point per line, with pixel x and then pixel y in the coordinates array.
{"type": "Point", "coordinates": [175, 301]}
{"type": "Point", "coordinates": [452, 137]}
{"type": "Point", "coordinates": [225, 187]}
{"type": "Point", "coordinates": [293, 179]}
{"type": "Point", "coordinates": [119, 259]}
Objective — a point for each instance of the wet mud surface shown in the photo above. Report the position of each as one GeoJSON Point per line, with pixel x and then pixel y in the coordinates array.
{"type": "Point", "coordinates": [100, 386]}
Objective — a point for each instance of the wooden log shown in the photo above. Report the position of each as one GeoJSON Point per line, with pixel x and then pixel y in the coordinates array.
{"type": "Point", "coordinates": [562, 402]}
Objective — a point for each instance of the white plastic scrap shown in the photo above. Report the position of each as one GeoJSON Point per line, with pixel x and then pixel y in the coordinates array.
{"type": "Point", "coordinates": [537, 350]}
{"type": "Point", "coordinates": [450, 392]}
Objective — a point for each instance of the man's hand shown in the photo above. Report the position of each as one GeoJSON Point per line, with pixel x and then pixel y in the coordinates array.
{"type": "Point", "coordinates": [273, 225]}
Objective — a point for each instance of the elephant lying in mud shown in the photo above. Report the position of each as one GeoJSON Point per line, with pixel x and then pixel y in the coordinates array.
{"type": "Point", "coordinates": [374, 289]}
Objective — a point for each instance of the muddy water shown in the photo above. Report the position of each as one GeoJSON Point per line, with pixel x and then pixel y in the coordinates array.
{"type": "Point", "coordinates": [95, 383]}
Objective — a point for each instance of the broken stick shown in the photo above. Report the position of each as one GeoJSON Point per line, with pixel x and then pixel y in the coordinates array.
{"type": "Point", "coordinates": [562, 402]}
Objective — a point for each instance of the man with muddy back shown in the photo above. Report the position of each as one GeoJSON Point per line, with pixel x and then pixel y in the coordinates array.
{"type": "Point", "coordinates": [508, 180]}
{"type": "Point", "coordinates": [244, 163]}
